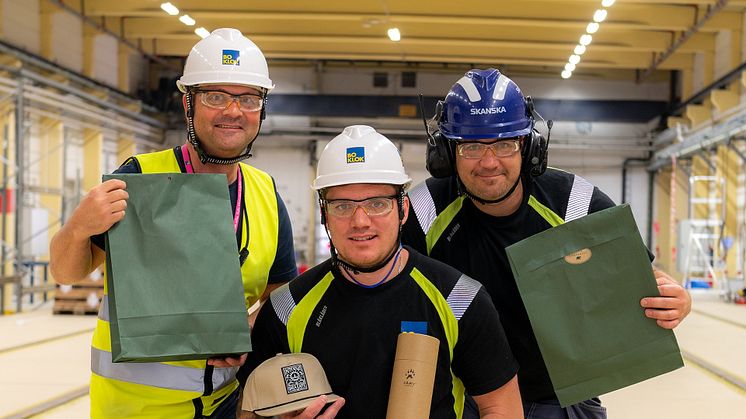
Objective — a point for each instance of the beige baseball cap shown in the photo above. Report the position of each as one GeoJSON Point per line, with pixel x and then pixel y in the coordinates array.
{"type": "Point", "coordinates": [284, 384]}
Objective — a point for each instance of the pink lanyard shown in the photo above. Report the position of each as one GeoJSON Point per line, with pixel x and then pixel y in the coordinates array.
{"type": "Point", "coordinates": [190, 169]}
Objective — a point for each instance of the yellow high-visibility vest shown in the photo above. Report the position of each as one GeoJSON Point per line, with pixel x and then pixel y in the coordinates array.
{"type": "Point", "coordinates": [179, 389]}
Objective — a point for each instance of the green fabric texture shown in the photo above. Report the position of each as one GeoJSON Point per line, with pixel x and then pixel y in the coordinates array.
{"type": "Point", "coordinates": [173, 275]}
{"type": "Point", "coordinates": [592, 332]}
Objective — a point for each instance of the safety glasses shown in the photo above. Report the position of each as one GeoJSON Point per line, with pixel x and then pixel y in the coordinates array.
{"type": "Point", "coordinates": [373, 207]}
{"type": "Point", "coordinates": [218, 99]}
{"type": "Point", "coordinates": [477, 150]}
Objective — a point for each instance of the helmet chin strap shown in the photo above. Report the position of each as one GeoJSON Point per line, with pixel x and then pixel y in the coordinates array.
{"type": "Point", "coordinates": [195, 142]}
{"type": "Point", "coordinates": [339, 263]}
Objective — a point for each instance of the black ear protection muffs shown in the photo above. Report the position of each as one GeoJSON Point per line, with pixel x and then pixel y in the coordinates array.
{"type": "Point", "coordinates": [439, 156]}
{"type": "Point", "coordinates": [535, 147]}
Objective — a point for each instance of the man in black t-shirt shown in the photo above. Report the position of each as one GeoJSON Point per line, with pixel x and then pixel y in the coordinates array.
{"type": "Point", "coordinates": [349, 310]}
{"type": "Point", "coordinates": [490, 189]}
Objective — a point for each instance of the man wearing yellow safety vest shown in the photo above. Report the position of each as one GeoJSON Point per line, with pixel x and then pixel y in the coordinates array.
{"type": "Point", "coordinates": [491, 188]}
{"type": "Point", "coordinates": [225, 85]}
{"type": "Point", "coordinates": [349, 310]}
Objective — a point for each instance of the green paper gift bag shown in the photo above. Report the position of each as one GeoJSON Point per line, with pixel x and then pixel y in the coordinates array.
{"type": "Point", "coordinates": [581, 283]}
{"type": "Point", "coordinates": [173, 274]}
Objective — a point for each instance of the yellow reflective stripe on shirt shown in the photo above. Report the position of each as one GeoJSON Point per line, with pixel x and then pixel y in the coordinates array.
{"type": "Point", "coordinates": [301, 314]}
{"type": "Point", "coordinates": [441, 222]}
{"type": "Point", "coordinates": [450, 326]}
{"type": "Point", "coordinates": [553, 219]}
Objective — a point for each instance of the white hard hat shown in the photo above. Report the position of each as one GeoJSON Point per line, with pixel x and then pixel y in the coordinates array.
{"type": "Point", "coordinates": [225, 57]}
{"type": "Point", "coordinates": [359, 155]}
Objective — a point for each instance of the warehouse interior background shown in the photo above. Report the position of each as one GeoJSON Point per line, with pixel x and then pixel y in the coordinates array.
{"type": "Point", "coordinates": [648, 100]}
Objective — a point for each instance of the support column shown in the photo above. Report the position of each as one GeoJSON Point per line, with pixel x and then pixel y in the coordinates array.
{"type": "Point", "coordinates": [51, 177]}
{"type": "Point", "coordinates": [125, 148]}
{"type": "Point", "coordinates": [7, 217]}
{"type": "Point", "coordinates": [93, 151]}
{"type": "Point", "coordinates": [664, 244]}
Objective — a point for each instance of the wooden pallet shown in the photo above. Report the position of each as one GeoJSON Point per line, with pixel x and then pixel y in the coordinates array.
{"type": "Point", "coordinates": [75, 300]}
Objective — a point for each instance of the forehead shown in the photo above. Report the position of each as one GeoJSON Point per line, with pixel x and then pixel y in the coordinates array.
{"type": "Point", "coordinates": [360, 191]}
{"type": "Point", "coordinates": [231, 88]}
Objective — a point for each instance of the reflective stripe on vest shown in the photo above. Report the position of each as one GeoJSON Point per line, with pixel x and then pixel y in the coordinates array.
{"type": "Point", "coordinates": [161, 375]}
{"type": "Point", "coordinates": [164, 387]}
{"type": "Point", "coordinates": [433, 225]}
{"type": "Point", "coordinates": [580, 199]}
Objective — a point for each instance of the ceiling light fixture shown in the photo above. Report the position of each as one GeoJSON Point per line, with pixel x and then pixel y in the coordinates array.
{"type": "Point", "coordinates": [592, 27]}
{"type": "Point", "coordinates": [585, 40]}
{"type": "Point", "coordinates": [574, 59]}
{"type": "Point", "coordinates": [169, 8]}
{"type": "Point", "coordinates": [569, 67]}
{"type": "Point", "coordinates": [394, 34]}
{"type": "Point", "coordinates": [566, 74]}
{"type": "Point", "coordinates": [187, 20]}
{"type": "Point", "coordinates": [600, 15]}
{"type": "Point", "coordinates": [202, 32]}
{"type": "Point", "coordinates": [579, 50]}
{"type": "Point", "coordinates": [607, 3]}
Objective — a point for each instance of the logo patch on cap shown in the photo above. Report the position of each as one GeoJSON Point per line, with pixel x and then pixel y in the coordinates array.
{"type": "Point", "coordinates": [231, 57]}
{"type": "Point", "coordinates": [295, 378]}
{"type": "Point", "coordinates": [356, 155]}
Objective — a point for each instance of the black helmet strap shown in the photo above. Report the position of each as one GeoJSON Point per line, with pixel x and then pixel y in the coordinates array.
{"type": "Point", "coordinates": [194, 140]}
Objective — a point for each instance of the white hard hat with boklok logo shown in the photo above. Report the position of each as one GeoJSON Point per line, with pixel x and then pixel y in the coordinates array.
{"type": "Point", "coordinates": [225, 57]}
{"type": "Point", "coordinates": [360, 155]}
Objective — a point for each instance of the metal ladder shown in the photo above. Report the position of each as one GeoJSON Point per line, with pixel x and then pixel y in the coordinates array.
{"type": "Point", "coordinates": [704, 266]}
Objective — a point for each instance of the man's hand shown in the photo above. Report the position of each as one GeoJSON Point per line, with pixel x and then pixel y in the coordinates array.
{"type": "Point", "coordinates": [228, 361]}
{"type": "Point", "coordinates": [672, 306]}
{"type": "Point", "coordinates": [101, 208]}
{"type": "Point", "coordinates": [315, 407]}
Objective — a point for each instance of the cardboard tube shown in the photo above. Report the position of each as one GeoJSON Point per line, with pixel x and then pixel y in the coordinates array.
{"type": "Point", "coordinates": [414, 376]}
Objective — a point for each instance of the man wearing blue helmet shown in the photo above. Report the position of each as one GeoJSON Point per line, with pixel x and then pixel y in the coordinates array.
{"type": "Point", "coordinates": [491, 188]}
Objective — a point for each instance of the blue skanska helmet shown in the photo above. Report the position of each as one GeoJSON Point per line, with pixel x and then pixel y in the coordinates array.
{"type": "Point", "coordinates": [485, 104]}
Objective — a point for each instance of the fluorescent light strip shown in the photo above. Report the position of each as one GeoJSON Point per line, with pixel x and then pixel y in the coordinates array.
{"type": "Point", "coordinates": [187, 20]}
{"type": "Point", "coordinates": [202, 32]}
{"type": "Point", "coordinates": [586, 39]}
{"type": "Point", "coordinates": [170, 8]}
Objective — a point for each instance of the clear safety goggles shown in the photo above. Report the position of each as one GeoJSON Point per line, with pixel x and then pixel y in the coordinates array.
{"type": "Point", "coordinates": [373, 207]}
{"type": "Point", "coordinates": [218, 99]}
{"type": "Point", "coordinates": [477, 150]}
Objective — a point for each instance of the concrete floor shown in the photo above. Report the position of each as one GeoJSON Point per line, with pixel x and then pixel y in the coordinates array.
{"type": "Point", "coordinates": [45, 359]}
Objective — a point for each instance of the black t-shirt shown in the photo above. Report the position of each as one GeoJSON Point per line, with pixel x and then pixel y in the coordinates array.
{"type": "Point", "coordinates": [353, 332]}
{"type": "Point", "coordinates": [283, 268]}
{"type": "Point", "coordinates": [475, 242]}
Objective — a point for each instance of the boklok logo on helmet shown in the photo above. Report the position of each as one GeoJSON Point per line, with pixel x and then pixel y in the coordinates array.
{"type": "Point", "coordinates": [230, 57]}
{"type": "Point", "coordinates": [487, 111]}
{"type": "Point", "coordinates": [356, 155]}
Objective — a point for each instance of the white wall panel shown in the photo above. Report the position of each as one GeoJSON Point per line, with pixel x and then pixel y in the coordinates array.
{"type": "Point", "coordinates": [105, 59]}
{"type": "Point", "coordinates": [288, 163]}
{"type": "Point", "coordinates": [21, 25]}
{"type": "Point", "coordinates": [138, 72]}
{"type": "Point", "coordinates": [67, 41]}
{"type": "Point", "coordinates": [293, 80]}
{"type": "Point", "coordinates": [573, 89]}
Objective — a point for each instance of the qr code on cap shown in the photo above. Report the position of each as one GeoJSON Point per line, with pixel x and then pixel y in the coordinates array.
{"type": "Point", "coordinates": [295, 378]}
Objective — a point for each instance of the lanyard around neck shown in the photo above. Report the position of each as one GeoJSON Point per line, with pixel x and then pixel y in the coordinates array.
{"type": "Point", "coordinates": [239, 196]}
